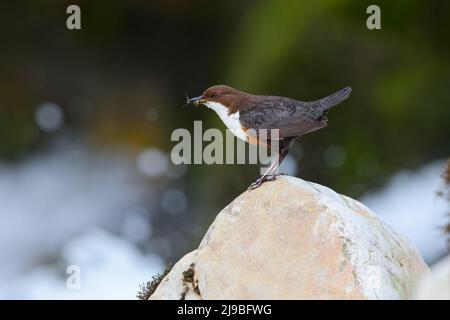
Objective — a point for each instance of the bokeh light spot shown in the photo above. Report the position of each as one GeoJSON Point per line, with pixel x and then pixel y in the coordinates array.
{"type": "Point", "coordinates": [152, 162]}
{"type": "Point", "coordinates": [335, 156]}
{"type": "Point", "coordinates": [49, 117]}
{"type": "Point", "coordinates": [174, 201]}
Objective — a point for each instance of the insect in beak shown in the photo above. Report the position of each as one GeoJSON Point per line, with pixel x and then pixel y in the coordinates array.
{"type": "Point", "coordinates": [196, 101]}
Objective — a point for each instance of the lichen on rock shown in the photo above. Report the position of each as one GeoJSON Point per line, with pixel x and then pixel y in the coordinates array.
{"type": "Point", "coordinates": [189, 281]}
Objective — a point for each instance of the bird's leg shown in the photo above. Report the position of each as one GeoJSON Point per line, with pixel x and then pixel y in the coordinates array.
{"type": "Point", "coordinates": [285, 145]}
{"type": "Point", "coordinates": [281, 157]}
{"type": "Point", "coordinates": [272, 172]}
{"type": "Point", "coordinates": [269, 175]}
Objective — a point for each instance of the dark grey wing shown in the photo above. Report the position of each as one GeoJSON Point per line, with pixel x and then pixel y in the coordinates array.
{"type": "Point", "coordinates": [291, 117]}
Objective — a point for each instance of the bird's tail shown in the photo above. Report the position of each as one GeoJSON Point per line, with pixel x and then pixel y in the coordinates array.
{"type": "Point", "coordinates": [334, 98]}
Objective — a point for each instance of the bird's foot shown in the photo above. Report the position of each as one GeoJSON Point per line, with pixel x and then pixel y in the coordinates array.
{"type": "Point", "coordinates": [263, 179]}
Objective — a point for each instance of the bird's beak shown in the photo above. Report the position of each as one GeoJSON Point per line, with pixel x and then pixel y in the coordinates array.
{"type": "Point", "coordinates": [197, 100]}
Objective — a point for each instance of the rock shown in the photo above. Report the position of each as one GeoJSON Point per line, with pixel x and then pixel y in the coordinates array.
{"type": "Point", "coordinates": [435, 285]}
{"type": "Point", "coordinates": [293, 239]}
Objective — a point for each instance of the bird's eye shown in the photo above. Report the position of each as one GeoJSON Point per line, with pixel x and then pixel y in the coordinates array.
{"type": "Point", "coordinates": [214, 95]}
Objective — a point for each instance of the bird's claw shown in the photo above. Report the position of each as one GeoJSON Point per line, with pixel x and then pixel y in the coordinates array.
{"type": "Point", "coordinates": [255, 184]}
{"type": "Point", "coordinates": [261, 180]}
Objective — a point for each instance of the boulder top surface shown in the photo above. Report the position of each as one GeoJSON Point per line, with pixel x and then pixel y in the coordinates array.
{"type": "Point", "coordinates": [293, 239]}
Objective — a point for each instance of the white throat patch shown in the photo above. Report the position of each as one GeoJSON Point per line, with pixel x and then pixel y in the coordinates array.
{"type": "Point", "coordinates": [231, 121]}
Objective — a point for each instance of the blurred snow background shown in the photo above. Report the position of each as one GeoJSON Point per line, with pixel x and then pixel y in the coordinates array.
{"type": "Point", "coordinates": [411, 204]}
{"type": "Point", "coordinates": [74, 206]}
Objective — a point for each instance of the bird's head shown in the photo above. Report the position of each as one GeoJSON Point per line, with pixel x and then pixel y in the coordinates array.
{"type": "Point", "coordinates": [224, 95]}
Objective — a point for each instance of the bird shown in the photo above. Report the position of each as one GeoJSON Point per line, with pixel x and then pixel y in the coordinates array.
{"type": "Point", "coordinates": [241, 111]}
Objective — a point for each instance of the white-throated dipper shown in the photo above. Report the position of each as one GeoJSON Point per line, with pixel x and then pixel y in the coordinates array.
{"type": "Point", "coordinates": [241, 111]}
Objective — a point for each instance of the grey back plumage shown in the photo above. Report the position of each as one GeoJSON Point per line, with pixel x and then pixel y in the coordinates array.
{"type": "Point", "coordinates": [291, 117]}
